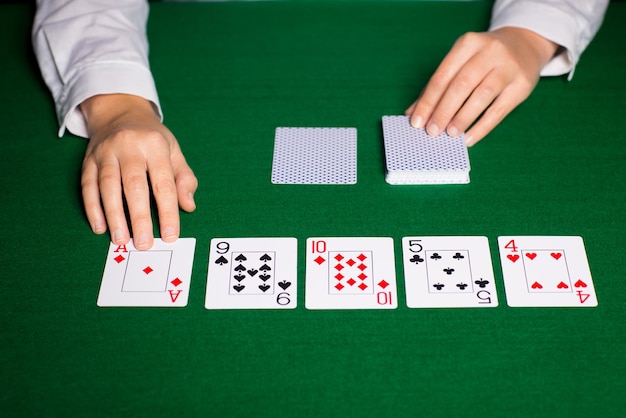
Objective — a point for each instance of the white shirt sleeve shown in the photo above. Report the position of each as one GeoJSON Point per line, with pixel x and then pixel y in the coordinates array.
{"type": "Point", "coordinates": [90, 47]}
{"type": "Point", "coordinates": [572, 24]}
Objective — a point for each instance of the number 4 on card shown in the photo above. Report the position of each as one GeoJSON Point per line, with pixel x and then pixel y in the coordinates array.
{"type": "Point", "coordinates": [546, 271]}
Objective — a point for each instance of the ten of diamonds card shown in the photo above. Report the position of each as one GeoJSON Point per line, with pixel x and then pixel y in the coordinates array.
{"type": "Point", "coordinates": [350, 273]}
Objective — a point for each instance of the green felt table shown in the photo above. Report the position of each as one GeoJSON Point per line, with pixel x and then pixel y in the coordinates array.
{"type": "Point", "coordinates": [228, 75]}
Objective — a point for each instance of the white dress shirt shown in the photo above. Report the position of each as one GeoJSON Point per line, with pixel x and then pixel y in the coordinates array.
{"type": "Point", "coordinates": [90, 47]}
{"type": "Point", "coordinates": [572, 24]}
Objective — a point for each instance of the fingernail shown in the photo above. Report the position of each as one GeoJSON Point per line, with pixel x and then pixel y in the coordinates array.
{"type": "Point", "coordinates": [453, 131]}
{"type": "Point", "coordinates": [432, 129]}
{"type": "Point", "coordinates": [141, 241]}
{"type": "Point", "coordinates": [193, 202]}
{"type": "Point", "coordinates": [468, 140]}
{"type": "Point", "coordinates": [98, 227]}
{"type": "Point", "coordinates": [117, 236]}
{"type": "Point", "coordinates": [418, 122]}
{"type": "Point", "coordinates": [169, 234]}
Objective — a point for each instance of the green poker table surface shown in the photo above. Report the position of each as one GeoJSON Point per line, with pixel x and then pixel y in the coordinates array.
{"type": "Point", "coordinates": [228, 74]}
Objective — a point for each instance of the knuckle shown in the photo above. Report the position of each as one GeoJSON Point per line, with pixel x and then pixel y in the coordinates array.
{"type": "Point", "coordinates": [469, 38]}
{"type": "Point", "coordinates": [126, 138]}
{"type": "Point", "coordinates": [193, 182]}
{"type": "Point", "coordinates": [486, 91]}
{"type": "Point", "coordinates": [187, 181]}
{"type": "Point", "coordinates": [463, 83]}
{"type": "Point", "coordinates": [87, 182]}
{"type": "Point", "coordinates": [91, 206]}
{"type": "Point", "coordinates": [135, 183]}
{"type": "Point", "coordinates": [164, 187]}
{"type": "Point", "coordinates": [494, 44]}
{"type": "Point", "coordinates": [497, 112]}
{"type": "Point", "coordinates": [108, 178]}
{"type": "Point", "coordinates": [141, 218]}
{"type": "Point", "coordinates": [438, 82]}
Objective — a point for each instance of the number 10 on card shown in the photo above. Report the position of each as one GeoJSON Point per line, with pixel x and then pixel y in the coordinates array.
{"type": "Point", "coordinates": [350, 273]}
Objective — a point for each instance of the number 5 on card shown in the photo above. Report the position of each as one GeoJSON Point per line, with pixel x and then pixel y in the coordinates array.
{"type": "Point", "coordinates": [448, 272]}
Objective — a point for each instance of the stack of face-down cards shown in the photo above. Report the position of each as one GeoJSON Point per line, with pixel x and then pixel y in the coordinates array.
{"type": "Point", "coordinates": [314, 156]}
{"type": "Point", "coordinates": [414, 157]}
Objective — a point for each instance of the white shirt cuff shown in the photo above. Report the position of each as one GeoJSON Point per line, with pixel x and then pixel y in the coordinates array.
{"type": "Point", "coordinates": [108, 78]}
{"type": "Point", "coordinates": [548, 22]}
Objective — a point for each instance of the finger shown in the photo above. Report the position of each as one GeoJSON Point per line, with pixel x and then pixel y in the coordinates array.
{"type": "Point", "coordinates": [463, 49]}
{"type": "Point", "coordinates": [416, 121]}
{"type": "Point", "coordinates": [459, 90]}
{"type": "Point", "coordinates": [495, 113]}
{"type": "Point", "coordinates": [479, 100]}
{"type": "Point", "coordinates": [110, 184]}
{"type": "Point", "coordinates": [410, 109]}
{"type": "Point", "coordinates": [91, 198]}
{"type": "Point", "coordinates": [165, 194]}
{"type": "Point", "coordinates": [186, 182]}
{"type": "Point", "coordinates": [137, 193]}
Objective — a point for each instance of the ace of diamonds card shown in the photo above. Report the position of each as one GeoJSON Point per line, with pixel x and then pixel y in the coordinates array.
{"type": "Point", "coordinates": [350, 273]}
{"type": "Point", "coordinates": [546, 271]}
{"type": "Point", "coordinates": [159, 276]}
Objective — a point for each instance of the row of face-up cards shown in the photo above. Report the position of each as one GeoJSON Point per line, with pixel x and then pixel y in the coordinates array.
{"type": "Point", "coordinates": [353, 273]}
{"type": "Point", "coordinates": [329, 155]}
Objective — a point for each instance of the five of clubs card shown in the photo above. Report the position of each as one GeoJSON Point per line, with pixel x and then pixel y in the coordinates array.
{"type": "Point", "coordinates": [252, 273]}
{"type": "Point", "coordinates": [448, 272]}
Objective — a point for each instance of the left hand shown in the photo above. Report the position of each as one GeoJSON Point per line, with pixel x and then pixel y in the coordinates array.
{"type": "Point", "coordinates": [130, 150]}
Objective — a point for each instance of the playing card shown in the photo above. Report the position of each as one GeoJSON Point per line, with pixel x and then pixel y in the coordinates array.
{"type": "Point", "coordinates": [546, 271]}
{"type": "Point", "coordinates": [448, 272]}
{"type": "Point", "coordinates": [350, 273]}
{"type": "Point", "coordinates": [314, 156]}
{"type": "Point", "coordinates": [414, 157]}
{"type": "Point", "coordinates": [157, 277]}
{"type": "Point", "coordinates": [252, 273]}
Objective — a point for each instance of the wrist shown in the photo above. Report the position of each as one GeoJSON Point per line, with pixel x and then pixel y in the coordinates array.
{"type": "Point", "coordinates": [104, 109]}
{"type": "Point", "coordinates": [542, 48]}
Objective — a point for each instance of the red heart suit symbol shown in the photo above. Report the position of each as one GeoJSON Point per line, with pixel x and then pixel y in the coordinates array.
{"type": "Point", "coordinates": [513, 257]}
{"type": "Point", "coordinates": [562, 286]}
{"type": "Point", "coordinates": [556, 256]}
{"type": "Point", "coordinates": [531, 255]}
{"type": "Point", "coordinates": [580, 283]}
{"type": "Point", "coordinates": [536, 285]}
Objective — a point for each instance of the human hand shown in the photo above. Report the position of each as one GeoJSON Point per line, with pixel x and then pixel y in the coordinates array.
{"type": "Point", "coordinates": [480, 81]}
{"type": "Point", "coordinates": [128, 147]}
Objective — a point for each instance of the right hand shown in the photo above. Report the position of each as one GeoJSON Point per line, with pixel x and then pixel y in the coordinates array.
{"type": "Point", "coordinates": [481, 80]}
